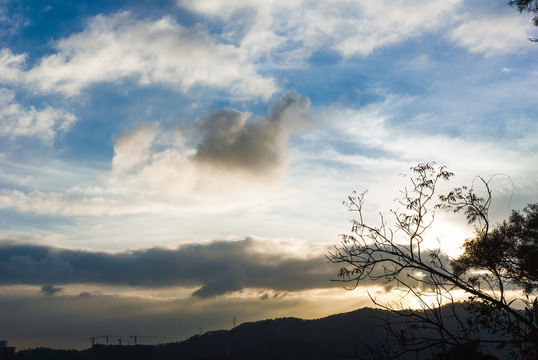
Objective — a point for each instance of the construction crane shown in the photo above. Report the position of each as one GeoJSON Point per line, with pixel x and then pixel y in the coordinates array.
{"type": "Point", "coordinates": [106, 336]}
{"type": "Point", "coordinates": [93, 338]}
{"type": "Point", "coordinates": [109, 336]}
{"type": "Point", "coordinates": [136, 336]}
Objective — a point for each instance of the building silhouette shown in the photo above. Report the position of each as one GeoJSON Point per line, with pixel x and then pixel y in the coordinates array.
{"type": "Point", "coordinates": [6, 352]}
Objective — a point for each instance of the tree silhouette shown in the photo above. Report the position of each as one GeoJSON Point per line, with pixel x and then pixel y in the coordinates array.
{"type": "Point", "coordinates": [530, 6]}
{"type": "Point", "coordinates": [497, 272]}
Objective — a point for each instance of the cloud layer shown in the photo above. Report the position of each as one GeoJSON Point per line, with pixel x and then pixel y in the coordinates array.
{"type": "Point", "coordinates": [67, 321]}
{"type": "Point", "coordinates": [216, 268]}
{"type": "Point", "coordinates": [350, 28]}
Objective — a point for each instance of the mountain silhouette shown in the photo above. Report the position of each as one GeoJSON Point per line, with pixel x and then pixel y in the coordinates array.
{"type": "Point", "coordinates": [358, 334]}
{"type": "Point", "coordinates": [332, 337]}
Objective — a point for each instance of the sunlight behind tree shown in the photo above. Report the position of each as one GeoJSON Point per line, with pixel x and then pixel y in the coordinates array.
{"type": "Point", "coordinates": [496, 274]}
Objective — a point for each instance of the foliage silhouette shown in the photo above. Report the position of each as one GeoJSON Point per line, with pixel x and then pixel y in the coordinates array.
{"type": "Point", "coordinates": [497, 271]}
{"type": "Point", "coordinates": [530, 6]}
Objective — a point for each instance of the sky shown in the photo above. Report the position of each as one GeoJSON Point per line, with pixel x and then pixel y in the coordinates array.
{"type": "Point", "coordinates": [167, 166]}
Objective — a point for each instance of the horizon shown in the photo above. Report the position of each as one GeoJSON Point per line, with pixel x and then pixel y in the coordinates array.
{"type": "Point", "coordinates": [168, 166]}
{"type": "Point", "coordinates": [114, 340]}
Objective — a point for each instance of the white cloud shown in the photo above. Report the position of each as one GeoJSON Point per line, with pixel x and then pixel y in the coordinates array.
{"type": "Point", "coordinates": [170, 172]}
{"type": "Point", "coordinates": [12, 19]}
{"type": "Point", "coordinates": [371, 126]}
{"type": "Point", "coordinates": [133, 147]}
{"type": "Point", "coordinates": [44, 124]}
{"type": "Point", "coordinates": [351, 28]}
{"type": "Point", "coordinates": [11, 66]}
{"type": "Point", "coordinates": [493, 34]}
{"type": "Point", "coordinates": [383, 23]}
{"type": "Point", "coordinates": [119, 47]}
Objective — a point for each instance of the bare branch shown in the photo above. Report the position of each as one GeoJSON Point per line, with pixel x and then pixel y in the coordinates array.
{"type": "Point", "coordinates": [377, 253]}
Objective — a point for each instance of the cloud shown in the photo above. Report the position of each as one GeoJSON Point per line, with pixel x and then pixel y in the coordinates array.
{"type": "Point", "coordinates": [11, 66]}
{"type": "Point", "coordinates": [296, 29]}
{"type": "Point", "coordinates": [119, 47]}
{"type": "Point", "coordinates": [493, 34]}
{"type": "Point", "coordinates": [217, 267]}
{"type": "Point", "coordinates": [45, 124]}
{"type": "Point", "coordinates": [49, 290]}
{"type": "Point", "coordinates": [233, 279]}
{"type": "Point", "coordinates": [55, 203]}
{"type": "Point", "coordinates": [236, 145]}
{"type": "Point", "coordinates": [12, 19]}
{"type": "Point", "coordinates": [150, 174]}
{"type": "Point", "coordinates": [384, 23]}
{"type": "Point", "coordinates": [133, 147]}
{"type": "Point", "coordinates": [374, 129]}
{"type": "Point", "coordinates": [229, 141]}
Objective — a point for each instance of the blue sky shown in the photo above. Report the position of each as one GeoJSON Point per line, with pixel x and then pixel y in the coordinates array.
{"type": "Point", "coordinates": [184, 138]}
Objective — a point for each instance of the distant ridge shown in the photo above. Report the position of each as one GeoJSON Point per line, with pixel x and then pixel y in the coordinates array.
{"type": "Point", "coordinates": [333, 337]}
{"type": "Point", "coordinates": [353, 334]}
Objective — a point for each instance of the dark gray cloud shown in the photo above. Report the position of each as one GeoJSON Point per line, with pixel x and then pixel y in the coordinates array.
{"type": "Point", "coordinates": [50, 290]}
{"type": "Point", "coordinates": [230, 139]}
{"type": "Point", "coordinates": [217, 268]}
{"type": "Point", "coordinates": [232, 280]}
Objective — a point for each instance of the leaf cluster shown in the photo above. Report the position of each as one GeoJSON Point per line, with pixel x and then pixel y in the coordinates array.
{"type": "Point", "coordinates": [509, 250]}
